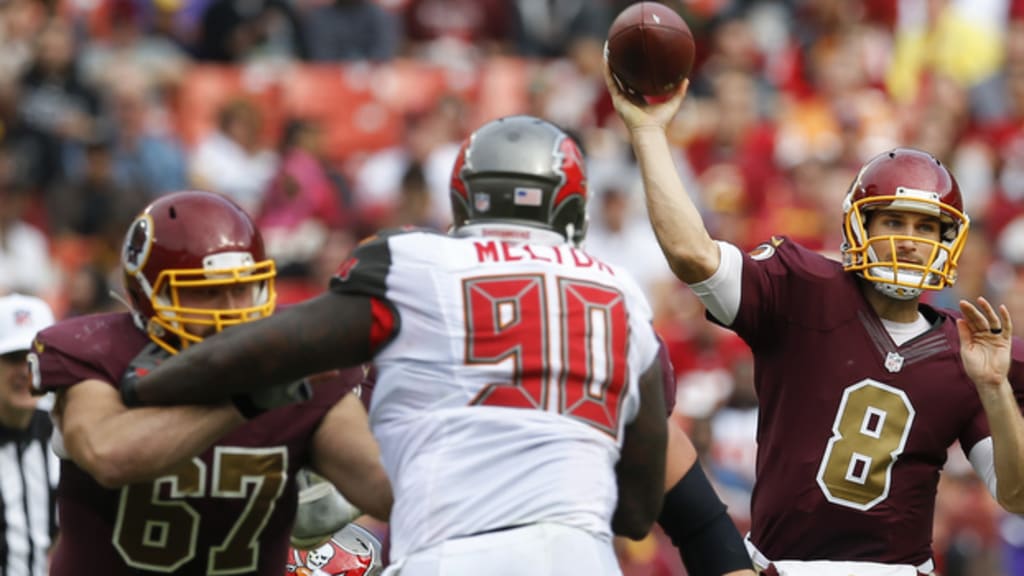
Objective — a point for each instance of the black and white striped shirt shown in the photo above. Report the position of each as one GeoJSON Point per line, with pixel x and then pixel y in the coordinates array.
{"type": "Point", "coordinates": [28, 482]}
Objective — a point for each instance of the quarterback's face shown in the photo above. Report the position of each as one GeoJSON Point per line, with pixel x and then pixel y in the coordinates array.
{"type": "Point", "coordinates": [15, 385]}
{"type": "Point", "coordinates": [228, 297]}
{"type": "Point", "coordinates": [908, 225]}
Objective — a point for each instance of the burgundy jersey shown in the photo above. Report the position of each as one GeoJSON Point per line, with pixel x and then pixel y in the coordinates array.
{"type": "Point", "coordinates": [853, 429]}
{"type": "Point", "coordinates": [229, 511]}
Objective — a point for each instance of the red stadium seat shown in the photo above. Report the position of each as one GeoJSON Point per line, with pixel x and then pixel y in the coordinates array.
{"type": "Point", "coordinates": [206, 88]}
{"type": "Point", "coordinates": [343, 100]}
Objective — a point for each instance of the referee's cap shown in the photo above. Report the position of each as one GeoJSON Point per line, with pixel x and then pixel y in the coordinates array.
{"type": "Point", "coordinates": [20, 318]}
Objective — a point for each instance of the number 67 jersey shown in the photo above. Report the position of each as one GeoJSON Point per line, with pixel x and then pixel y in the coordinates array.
{"type": "Point", "coordinates": [507, 371]}
{"type": "Point", "coordinates": [227, 511]}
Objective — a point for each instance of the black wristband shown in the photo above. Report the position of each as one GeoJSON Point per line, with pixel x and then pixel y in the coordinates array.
{"type": "Point", "coordinates": [245, 405]}
{"type": "Point", "coordinates": [695, 518]}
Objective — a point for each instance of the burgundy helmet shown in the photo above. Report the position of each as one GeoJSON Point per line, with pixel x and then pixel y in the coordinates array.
{"type": "Point", "coordinates": [908, 180]}
{"type": "Point", "coordinates": [193, 240]}
{"type": "Point", "coordinates": [522, 171]}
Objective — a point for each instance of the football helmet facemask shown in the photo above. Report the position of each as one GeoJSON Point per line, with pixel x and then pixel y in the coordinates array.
{"type": "Point", "coordinates": [904, 179]}
{"type": "Point", "coordinates": [352, 551]}
{"type": "Point", "coordinates": [522, 172]}
{"type": "Point", "coordinates": [193, 240]}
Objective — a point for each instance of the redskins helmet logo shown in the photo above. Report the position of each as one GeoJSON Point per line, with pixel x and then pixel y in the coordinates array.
{"type": "Point", "coordinates": [137, 244]}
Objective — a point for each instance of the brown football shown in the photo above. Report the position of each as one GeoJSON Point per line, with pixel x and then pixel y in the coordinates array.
{"type": "Point", "coordinates": [650, 49]}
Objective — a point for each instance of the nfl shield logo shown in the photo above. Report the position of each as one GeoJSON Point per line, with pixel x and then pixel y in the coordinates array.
{"type": "Point", "coordinates": [893, 362]}
{"type": "Point", "coordinates": [482, 202]}
{"type": "Point", "coordinates": [22, 317]}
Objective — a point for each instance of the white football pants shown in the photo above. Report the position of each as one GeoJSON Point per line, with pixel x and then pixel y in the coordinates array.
{"type": "Point", "coordinates": [532, 550]}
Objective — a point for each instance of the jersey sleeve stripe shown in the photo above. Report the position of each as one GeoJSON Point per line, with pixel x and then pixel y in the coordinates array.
{"type": "Point", "coordinates": [385, 324]}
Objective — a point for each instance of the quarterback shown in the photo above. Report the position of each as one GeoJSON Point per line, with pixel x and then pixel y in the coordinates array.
{"type": "Point", "coordinates": [862, 387]}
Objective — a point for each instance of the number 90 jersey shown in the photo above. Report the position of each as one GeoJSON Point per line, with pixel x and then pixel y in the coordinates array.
{"type": "Point", "coordinates": [509, 374]}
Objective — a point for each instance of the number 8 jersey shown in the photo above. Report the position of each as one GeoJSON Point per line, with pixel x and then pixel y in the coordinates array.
{"type": "Point", "coordinates": [853, 428]}
{"type": "Point", "coordinates": [506, 373]}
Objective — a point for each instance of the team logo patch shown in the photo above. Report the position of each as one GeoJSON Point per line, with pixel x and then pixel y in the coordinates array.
{"type": "Point", "coordinates": [766, 250]}
{"type": "Point", "coordinates": [482, 202]}
{"type": "Point", "coordinates": [762, 252]}
{"type": "Point", "coordinates": [137, 244]}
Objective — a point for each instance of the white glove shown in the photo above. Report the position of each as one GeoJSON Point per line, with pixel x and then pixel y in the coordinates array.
{"type": "Point", "coordinates": [322, 511]}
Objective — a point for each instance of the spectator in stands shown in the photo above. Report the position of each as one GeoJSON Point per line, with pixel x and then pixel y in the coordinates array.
{"type": "Point", "coordinates": [58, 108]}
{"type": "Point", "coordinates": [25, 264]}
{"type": "Point", "coordinates": [619, 234]}
{"type": "Point", "coordinates": [147, 156]}
{"type": "Point", "coordinates": [89, 292]}
{"type": "Point", "coordinates": [431, 139]}
{"type": "Point", "coordinates": [303, 202]}
{"type": "Point", "coordinates": [20, 22]}
{"type": "Point", "coordinates": [233, 160]}
{"type": "Point", "coordinates": [459, 31]}
{"type": "Point", "coordinates": [237, 31]}
{"type": "Point", "coordinates": [559, 29]}
{"type": "Point", "coordinates": [94, 204]}
{"type": "Point", "coordinates": [352, 30]}
{"type": "Point", "coordinates": [128, 50]}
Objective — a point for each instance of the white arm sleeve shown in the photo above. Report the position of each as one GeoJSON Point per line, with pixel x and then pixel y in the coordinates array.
{"type": "Point", "coordinates": [721, 292]}
{"type": "Point", "coordinates": [983, 460]}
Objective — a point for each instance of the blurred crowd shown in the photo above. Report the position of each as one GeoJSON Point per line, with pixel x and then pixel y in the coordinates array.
{"type": "Point", "coordinates": [329, 119]}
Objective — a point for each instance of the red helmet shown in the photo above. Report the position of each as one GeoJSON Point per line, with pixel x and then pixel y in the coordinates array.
{"type": "Point", "coordinates": [909, 180]}
{"type": "Point", "coordinates": [352, 551]}
{"type": "Point", "coordinates": [523, 171]}
{"type": "Point", "coordinates": [188, 240]}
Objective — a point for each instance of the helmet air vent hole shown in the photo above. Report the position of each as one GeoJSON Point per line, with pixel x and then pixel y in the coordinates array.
{"type": "Point", "coordinates": [172, 212]}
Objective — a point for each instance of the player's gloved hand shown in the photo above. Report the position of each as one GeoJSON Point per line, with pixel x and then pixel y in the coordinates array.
{"type": "Point", "coordinates": [255, 403]}
{"type": "Point", "coordinates": [322, 511]}
{"type": "Point", "coordinates": [144, 362]}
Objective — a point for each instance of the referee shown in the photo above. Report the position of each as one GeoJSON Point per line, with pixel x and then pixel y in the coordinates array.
{"type": "Point", "coordinates": [28, 467]}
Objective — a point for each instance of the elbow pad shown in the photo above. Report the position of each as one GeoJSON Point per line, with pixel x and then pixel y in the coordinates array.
{"type": "Point", "coordinates": [695, 518]}
{"type": "Point", "coordinates": [322, 511]}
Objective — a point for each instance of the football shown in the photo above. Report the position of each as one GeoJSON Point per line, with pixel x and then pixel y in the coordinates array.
{"type": "Point", "coordinates": [649, 49]}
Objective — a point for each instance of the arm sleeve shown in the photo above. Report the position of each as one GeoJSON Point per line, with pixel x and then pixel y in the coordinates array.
{"type": "Point", "coordinates": [983, 460]}
{"type": "Point", "coordinates": [721, 292]}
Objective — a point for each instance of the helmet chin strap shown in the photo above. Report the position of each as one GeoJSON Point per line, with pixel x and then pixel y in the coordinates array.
{"type": "Point", "coordinates": [891, 289]}
{"type": "Point", "coordinates": [897, 292]}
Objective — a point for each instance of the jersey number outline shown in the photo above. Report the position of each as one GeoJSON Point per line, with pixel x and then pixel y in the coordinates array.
{"type": "Point", "coordinates": [869, 434]}
{"type": "Point", "coordinates": [160, 534]}
{"type": "Point", "coordinates": [507, 317]}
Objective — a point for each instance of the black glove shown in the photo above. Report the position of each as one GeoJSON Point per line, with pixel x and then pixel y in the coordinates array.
{"type": "Point", "coordinates": [255, 403]}
{"type": "Point", "coordinates": [144, 362]}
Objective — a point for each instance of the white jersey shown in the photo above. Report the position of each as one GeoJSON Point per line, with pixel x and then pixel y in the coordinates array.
{"type": "Point", "coordinates": [510, 374]}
